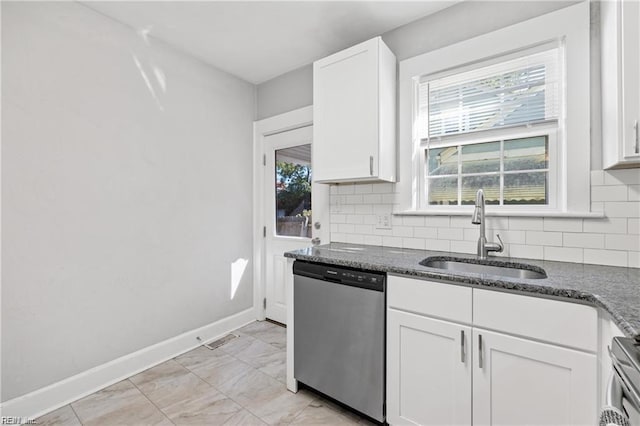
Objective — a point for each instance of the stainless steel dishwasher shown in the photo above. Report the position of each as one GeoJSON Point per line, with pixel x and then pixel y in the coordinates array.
{"type": "Point", "coordinates": [339, 334]}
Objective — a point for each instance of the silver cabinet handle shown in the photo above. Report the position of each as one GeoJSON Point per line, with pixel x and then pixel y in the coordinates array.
{"type": "Point", "coordinates": [637, 142]}
{"type": "Point", "coordinates": [462, 354]}
{"type": "Point", "coordinates": [480, 351]}
{"type": "Point", "coordinates": [315, 241]}
{"type": "Point", "coordinates": [371, 165]}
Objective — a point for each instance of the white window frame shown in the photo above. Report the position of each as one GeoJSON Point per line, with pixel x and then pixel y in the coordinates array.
{"type": "Point", "coordinates": [570, 171]}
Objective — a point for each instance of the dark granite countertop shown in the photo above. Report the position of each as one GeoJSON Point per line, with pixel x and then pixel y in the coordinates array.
{"type": "Point", "coordinates": [617, 290]}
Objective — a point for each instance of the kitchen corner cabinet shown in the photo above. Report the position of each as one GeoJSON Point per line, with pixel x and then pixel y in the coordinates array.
{"type": "Point", "coordinates": [354, 115]}
{"type": "Point", "coordinates": [497, 366]}
{"type": "Point", "coordinates": [620, 40]}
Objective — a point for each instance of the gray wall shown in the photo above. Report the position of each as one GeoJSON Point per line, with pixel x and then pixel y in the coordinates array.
{"type": "Point", "coordinates": [124, 198]}
{"type": "Point", "coordinates": [286, 92]}
{"type": "Point", "coordinates": [456, 23]}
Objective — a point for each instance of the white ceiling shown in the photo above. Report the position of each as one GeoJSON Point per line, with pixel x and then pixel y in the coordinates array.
{"type": "Point", "coordinates": [259, 40]}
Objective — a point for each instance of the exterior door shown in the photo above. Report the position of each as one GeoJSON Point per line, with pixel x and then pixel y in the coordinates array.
{"type": "Point", "coordinates": [428, 371]}
{"type": "Point", "coordinates": [294, 210]}
{"type": "Point", "coordinates": [522, 382]}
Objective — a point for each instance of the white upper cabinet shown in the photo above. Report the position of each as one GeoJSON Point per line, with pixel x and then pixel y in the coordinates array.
{"type": "Point", "coordinates": [354, 131]}
{"type": "Point", "coordinates": [620, 37]}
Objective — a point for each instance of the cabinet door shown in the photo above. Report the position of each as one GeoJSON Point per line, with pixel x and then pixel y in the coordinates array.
{"type": "Point", "coordinates": [428, 371]}
{"type": "Point", "coordinates": [523, 382]}
{"type": "Point", "coordinates": [631, 79]}
{"type": "Point", "coordinates": [345, 113]}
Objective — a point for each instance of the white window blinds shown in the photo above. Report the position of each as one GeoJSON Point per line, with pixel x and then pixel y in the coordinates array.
{"type": "Point", "coordinates": [519, 91]}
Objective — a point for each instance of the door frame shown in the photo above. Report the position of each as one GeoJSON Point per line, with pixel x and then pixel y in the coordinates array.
{"type": "Point", "coordinates": [291, 120]}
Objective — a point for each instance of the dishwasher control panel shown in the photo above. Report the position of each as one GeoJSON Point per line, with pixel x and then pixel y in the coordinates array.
{"type": "Point", "coordinates": [342, 275]}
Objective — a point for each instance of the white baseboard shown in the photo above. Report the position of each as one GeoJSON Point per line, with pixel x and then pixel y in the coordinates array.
{"type": "Point", "coordinates": [52, 397]}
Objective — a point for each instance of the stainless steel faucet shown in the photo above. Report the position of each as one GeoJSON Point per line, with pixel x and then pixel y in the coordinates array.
{"type": "Point", "coordinates": [484, 247]}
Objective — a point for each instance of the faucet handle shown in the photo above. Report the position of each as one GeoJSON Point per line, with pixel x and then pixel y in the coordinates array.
{"type": "Point", "coordinates": [501, 244]}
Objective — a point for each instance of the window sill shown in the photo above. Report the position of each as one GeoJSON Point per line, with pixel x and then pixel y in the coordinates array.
{"type": "Point", "coordinates": [584, 215]}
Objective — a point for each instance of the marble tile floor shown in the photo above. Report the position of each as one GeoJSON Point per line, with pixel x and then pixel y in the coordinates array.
{"type": "Point", "coordinates": [241, 382]}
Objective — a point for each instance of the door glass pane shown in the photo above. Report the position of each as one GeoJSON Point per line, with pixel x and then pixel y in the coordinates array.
{"type": "Point", "coordinates": [293, 191]}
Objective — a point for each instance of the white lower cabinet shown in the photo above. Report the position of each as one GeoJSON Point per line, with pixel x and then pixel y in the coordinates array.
{"type": "Point", "coordinates": [444, 372]}
{"type": "Point", "coordinates": [428, 370]}
{"type": "Point", "coordinates": [523, 382]}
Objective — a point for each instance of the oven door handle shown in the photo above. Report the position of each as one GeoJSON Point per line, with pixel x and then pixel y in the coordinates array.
{"type": "Point", "coordinates": [613, 397]}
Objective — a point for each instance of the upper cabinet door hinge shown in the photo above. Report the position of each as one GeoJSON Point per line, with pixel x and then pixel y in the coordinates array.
{"type": "Point", "coordinates": [264, 159]}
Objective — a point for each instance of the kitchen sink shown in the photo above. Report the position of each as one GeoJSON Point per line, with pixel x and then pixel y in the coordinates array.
{"type": "Point", "coordinates": [491, 267]}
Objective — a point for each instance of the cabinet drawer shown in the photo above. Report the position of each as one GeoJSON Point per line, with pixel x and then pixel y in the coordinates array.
{"type": "Point", "coordinates": [430, 298]}
{"type": "Point", "coordinates": [553, 321]}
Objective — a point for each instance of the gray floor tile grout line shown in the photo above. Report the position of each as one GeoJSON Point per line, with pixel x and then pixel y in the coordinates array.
{"type": "Point", "coordinates": [152, 403]}
{"type": "Point", "coordinates": [74, 412]}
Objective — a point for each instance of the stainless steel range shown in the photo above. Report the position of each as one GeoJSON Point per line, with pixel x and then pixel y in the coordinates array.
{"type": "Point", "coordinates": [623, 390]}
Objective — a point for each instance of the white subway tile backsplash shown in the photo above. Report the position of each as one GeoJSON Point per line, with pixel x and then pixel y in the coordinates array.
{"type": "Point", "coordinates": [563, 254]}
{"type": "Point", "coordinates": [508, 237]}
{"type": "Point", "coordinates": [623, 242]}
{"type": "Point", "coordinates": [382, 188]}
{"type": "Point", "coordinates": [525, 251]}
{"type": "Point", "coordinates": [413, 220]}
{"type": "Point", "coordinates": [462, 222]}
{"type": "Point", "coordinates": [355, 239]}
{"type": "Point", "coordinates": [450, 234]}
{"type": "Point", "coordinates": [353, 199]}
{"type": "Point", "coordinates": [363, 209]}
{"type": "Point", "coordinates": [611, 240]}
{"type": "Point", "coordinates": [526, 223]}
{"type": "Point", "coordinates": [346, 189]}
{"type": "Point", "coordinates": [438, 245]}
{"type": "Point", "coordinates": [382, 208]}
{"type": "Point", "coordinates": [464, 247]}
{"type": "Point", "coordinates": [370, 219]}
{"type": "Point", "coordinates": [423, 232]}
{"type": "Point", "coordinates": [437, 221]}
{"type": "Point", "coordinates": [389, 199]}
{"type": "Point", "coordinates": [373, 240]}
{"type": "Point", "coordinates": [392, 241]}
{"type": "Point", "coordinates": [338, 218]}
{"type": "Point", "coordinates": [365, 188]}
{"type": "Point", "coordinates": [413, 243]}
{"type": "Point", "coordinates": [346, 228]}
{"type": "Point", "coordinates": [363, 229]}
{"type": "Point", "coordinates": [355, 219]}
{"type": "Point", "coordinates": [609, 193]}
{"type": "Point", "coordinates": [538, 238]}
{"type": "Point", "coordinates": [496, 222]}
{"type": "Point", "coordinates": [402, 231]}
{"type": "Point", "coordinates": [372, 198]}
{"type": "Point", "coordinates": [583, 239]}
{"type": "Point", "coordinates": [622, 208]}
{"type": "Point", "coordinates": [622, 177]}
{"type": "Point", "coordinates": [605, 257]}
{"type": "Point", "coordinates": [605, 225]}
{"type": "Point", "coordinates": [338, 237]}
{"type": "Point", "coordinates": [562, 224]}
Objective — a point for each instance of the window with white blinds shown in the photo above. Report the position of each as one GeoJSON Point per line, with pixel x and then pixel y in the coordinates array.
{"type": "Point", "coordinates": [516, 92]}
